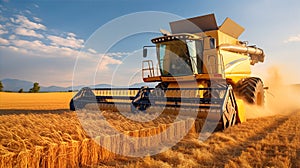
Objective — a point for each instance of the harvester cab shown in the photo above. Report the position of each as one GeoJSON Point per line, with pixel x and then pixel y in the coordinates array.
{"type": "Point", "coordinates": [202, 68]}
{"type": "Point", "coordinates": [184, 55]}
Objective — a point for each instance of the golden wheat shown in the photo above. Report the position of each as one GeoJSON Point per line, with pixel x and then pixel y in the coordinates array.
{"type": "Point", "coordinates": [35, 101]}
{"type": "Point", "coordinates": [31, 135]}
{"type": "Point", "coordinates": [35, 133]}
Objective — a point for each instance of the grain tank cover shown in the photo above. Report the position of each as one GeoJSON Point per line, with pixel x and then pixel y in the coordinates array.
{"type": "Point", "coordinates": [231, 28]}
{"type": "Point", "coordinates": [204, 23]}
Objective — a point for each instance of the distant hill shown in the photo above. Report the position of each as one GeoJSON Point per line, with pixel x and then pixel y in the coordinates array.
{"type": "Point", "coordinates": [139, 85]}
{"type": "Point", "coordinates": [102, 86]}
{"type": "Point", "coordinates": [16, 84]}
{"type": "Point", "coordinates": [53, 89]}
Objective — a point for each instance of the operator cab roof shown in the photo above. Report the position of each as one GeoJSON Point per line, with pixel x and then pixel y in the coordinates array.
{"type": "Point", "coordinates": [180, 36]}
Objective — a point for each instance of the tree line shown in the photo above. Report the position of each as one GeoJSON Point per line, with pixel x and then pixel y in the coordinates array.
{"type": "Point", "coordinates": [35, 88]}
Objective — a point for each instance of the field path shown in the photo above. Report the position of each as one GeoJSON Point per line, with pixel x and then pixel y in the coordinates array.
{"type": "Point", "coordinates": [280, 146]}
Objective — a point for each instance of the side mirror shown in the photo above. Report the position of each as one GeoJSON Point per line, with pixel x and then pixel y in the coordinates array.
{"type": "Point", "coordinates": [145, 52]}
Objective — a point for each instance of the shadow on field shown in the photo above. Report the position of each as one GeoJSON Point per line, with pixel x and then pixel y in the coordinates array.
{"type": "Point", "coordinates": [12, 111]}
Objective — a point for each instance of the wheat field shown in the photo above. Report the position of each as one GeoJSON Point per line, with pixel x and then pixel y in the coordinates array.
{"type": "Point", "coordinates": [35, 101]}
{"type": "Point", "coordinates": [38, 130]}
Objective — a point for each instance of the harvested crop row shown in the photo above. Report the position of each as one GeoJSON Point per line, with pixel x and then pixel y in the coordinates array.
{"type": "Point", "coordinates": [263, 142]}
{"type": "Point", "coordinates": [63, 154]}
{"type": "Point", "coordinates": [114, 121]}
{"type": "Point", "coordinates": [54, 140]}
{"type": "Point", "coordinates": [21, 132]}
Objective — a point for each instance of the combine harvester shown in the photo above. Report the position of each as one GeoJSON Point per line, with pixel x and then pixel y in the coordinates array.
{"type": "Point", "coordinates": [203, 68]}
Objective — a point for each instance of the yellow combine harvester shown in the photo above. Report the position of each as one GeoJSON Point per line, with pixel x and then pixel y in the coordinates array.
{"type": "Point", "coordinates": [201, 66]}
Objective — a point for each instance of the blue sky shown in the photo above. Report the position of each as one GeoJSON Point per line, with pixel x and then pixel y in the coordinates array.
{"type": "Point", "coordinates": [41, 40]}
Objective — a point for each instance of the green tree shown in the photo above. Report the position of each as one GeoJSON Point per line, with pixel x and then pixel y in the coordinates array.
{"type": "Point", "coordinates": [35, 88]}
{"type": "Point", "coordinates": [1, 86]}
{"type": "Point", "coordinates": [21, 90]}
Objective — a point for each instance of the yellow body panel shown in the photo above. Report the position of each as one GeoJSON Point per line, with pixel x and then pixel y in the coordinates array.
{"type": "Point", "coordinates": [187, 84]}
{"type": "Point", "coordinates": [241, 110]}
{"type": "Point", "coordinates": [236, 65]}
{"type": "Point", "coordinates": [222, 38]}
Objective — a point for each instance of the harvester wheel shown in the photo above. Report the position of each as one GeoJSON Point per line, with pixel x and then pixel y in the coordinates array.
{"type": "Point", "coordinates": [252, 90]}
{"type": "Point", "coordinates": [229, 108]}
{"type": "Point", "coordinates": [229, 116]}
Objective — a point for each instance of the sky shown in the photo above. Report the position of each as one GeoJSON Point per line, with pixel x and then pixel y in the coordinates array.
{"type": "Point", "coordinates": [85, 42]}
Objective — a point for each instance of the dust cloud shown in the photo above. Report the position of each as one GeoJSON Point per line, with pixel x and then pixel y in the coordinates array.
{"type": "Point", "coordinates": [280, 98]}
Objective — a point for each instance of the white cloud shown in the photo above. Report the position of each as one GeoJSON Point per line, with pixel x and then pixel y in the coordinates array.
{"type": "Point", "coordinates": [28, 11]}
{"type": "Point", "coordinates": [92, 51]}
{"type": "Point", "coordinates": [120, 54]}
{"type": "Point", "coordinates": [107, 60]}
{"type": "Point", "coordinates": [13, 48]}
{"type": "Point", "coordinates": [71, 34]}
{"type": "Point", "coordinates": [3, 18]}
{"type": "Point", "coordinates": [54, 47]}
{"type": "Point", "coordinates": [37, 19]}
{"type": "Point", "coordinates": [3, 31]}
{"type": "Point", "coordinates": [51, 49]}
{"type": "Point", "coordinates": [8, 24]}
{"type": "Point", "coordinates": [12, 20]}
{"type": "Point", "coordinates": [293, 39]}
{"type": "Point", "coordinates": [35, 5]}
{"type": "Point", "coordinates": [70, 41]}
{"type": "Point", "coordinates": [28, 44]}
{"type": "Point", "coordinates": [25, 22]}
{"type": "Point", "coordinates": [27, 32]}
{"type": "Point", "coordinates": [38, 48]}
{"type": "Point", "coordinates": [11, 37]}
{"type": "Point", "coordinates": [4, 41]}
